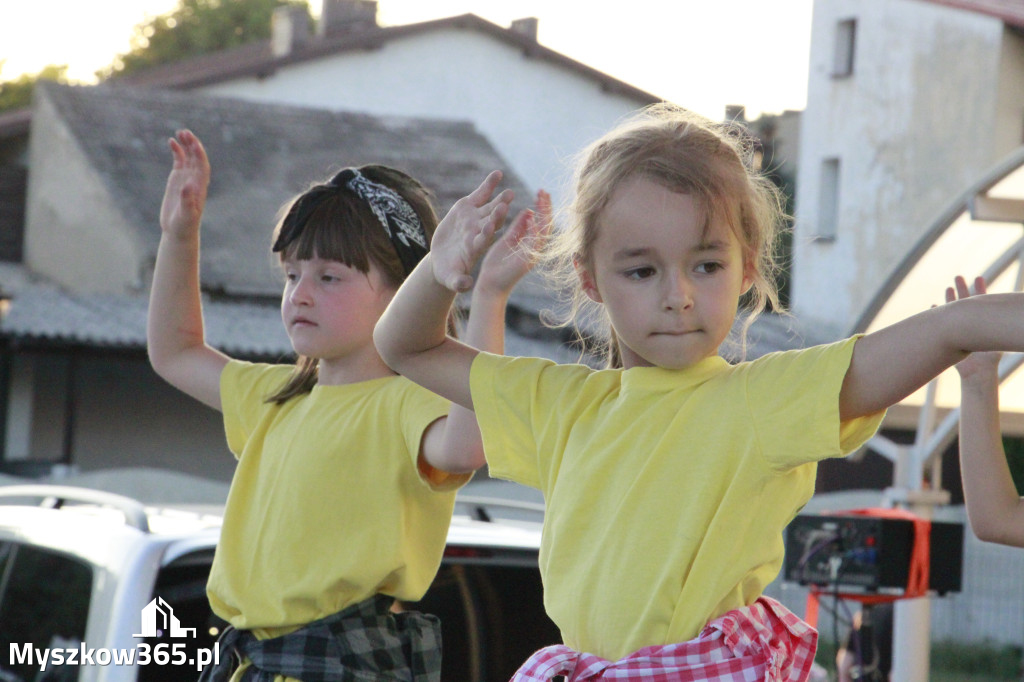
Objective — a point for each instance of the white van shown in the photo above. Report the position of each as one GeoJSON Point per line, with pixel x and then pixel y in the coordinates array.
{"type": "Point", "coordinates": [90, 580]}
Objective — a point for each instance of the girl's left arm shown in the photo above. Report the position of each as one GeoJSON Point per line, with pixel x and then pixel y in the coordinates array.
{"type": "Point", "coordinates": [994, 507]}
{"type": "Point", "coordinates": [890, 364]}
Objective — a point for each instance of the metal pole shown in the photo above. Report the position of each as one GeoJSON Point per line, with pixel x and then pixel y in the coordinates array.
{"type": "Point", "coordinates": [911, 636]}
{"type": "Point", "coordinates": [911, 642]}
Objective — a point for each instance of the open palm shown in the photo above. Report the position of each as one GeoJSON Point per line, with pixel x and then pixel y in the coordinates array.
{"type": "Point", "coordinates": [185, 194]}
{"type": "Point", "coordinates": [463, 236]}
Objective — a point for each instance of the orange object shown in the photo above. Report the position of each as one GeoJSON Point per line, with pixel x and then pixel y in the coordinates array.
{"type": "Point", "coordinates": [917, 579]}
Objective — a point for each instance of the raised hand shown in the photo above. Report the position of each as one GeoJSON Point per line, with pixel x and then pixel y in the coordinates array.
{"type": "Point", "coordinates": [175, 335]}
{"type": "Point", "coordinates": [515, 253]}
{"type": "Point", "coordinates": [464, 234]}
{"type": "Point", "coordinates": [995, 508]}
{"type": "Point", "coordinates": [185, 194]}
{"type": "Point", "coordinates": [976, 364]}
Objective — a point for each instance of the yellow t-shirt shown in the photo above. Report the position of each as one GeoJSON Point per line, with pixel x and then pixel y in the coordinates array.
{"type": "Point", "coordinates": [327, 506]}
{"type": "Point", "coordinates": [667, 490]}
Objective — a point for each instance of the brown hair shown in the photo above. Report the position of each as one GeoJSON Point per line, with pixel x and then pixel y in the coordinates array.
{"type": "Point", "coordinates": [685, 153]}
{"type": "Point", "coordinates": [343, 228]}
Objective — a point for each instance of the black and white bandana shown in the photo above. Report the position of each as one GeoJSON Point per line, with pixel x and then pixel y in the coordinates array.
{"type": "Point", "coordinates": [396, 215]}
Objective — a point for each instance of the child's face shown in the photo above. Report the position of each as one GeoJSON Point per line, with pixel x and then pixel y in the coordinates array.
{"type": "Point", "coordinates": [329, 310]}
{"type": "Point", "coordinates": [670, 288]}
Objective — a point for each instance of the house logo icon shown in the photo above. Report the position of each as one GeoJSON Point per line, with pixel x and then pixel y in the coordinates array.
{"type": "Point", "coordinates": [158, 618]}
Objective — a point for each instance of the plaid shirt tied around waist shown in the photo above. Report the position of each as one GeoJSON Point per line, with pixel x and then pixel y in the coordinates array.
{"type": "Point", "coordinates": [362, 643]}
{"type": "Point", "coordinates": [763, 642]}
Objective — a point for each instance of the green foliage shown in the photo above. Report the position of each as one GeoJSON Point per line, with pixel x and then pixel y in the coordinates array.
{"type": "Point", "coordinates": [953, 661]}
{"type": "Point", "coordinates": [17, 93]}
{"type": "Point", "coordinates": [784, 248]}
{"type": "Point", "coordinates": [986, 661]}
{"type": "Point", "coordinates": [194, 28]}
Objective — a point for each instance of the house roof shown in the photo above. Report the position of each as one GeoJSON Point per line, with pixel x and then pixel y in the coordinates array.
{"type": "Point", "coordinates": [256, 59]}
{"type": "Point", "coordinates": [44, 315]}
{"type": "Point", "coordinates": [261, 156]}
{"type": "Point", "coordinates": [15, 123]}
{"type": "Point", "coordinates": [1009, 11]}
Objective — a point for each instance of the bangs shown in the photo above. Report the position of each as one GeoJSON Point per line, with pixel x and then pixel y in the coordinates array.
{"type": "Point", "coordinates": [334, 231]}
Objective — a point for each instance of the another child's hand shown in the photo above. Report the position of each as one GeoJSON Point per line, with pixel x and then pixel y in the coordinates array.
{"type": "Point", "coordinates": [514, 253]}
{"type": "Point", "coordinates": [466, 232]}
{"type": "Point", "coordinates": [185, 195]}
{"type": "Point", "coordinates": [975, 365]}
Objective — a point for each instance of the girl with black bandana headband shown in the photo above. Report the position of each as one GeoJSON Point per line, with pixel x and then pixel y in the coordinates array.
{"type": "Point", "coordinates": [346, 472]}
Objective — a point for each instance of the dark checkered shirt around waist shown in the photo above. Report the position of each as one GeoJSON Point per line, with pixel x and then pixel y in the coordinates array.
{"type": "Point", "coordinates": [361, 643]}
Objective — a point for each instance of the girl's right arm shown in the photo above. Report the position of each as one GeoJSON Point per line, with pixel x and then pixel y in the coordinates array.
{"type": "Point", "coordinates": [994, 508]}
{"type": "Point", "coordinates": [175, 338]}
{"type": "Point", "coordinates": [891, 363]}
{"type": "Point", "coordinates": [411, 335]}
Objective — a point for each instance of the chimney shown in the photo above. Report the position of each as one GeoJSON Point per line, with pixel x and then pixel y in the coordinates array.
{"type": "Point", "coordinates": [289, 30]}
{"type": "Point", "coordinates": [527, 26]}
{"type": "Point", "coordinates": [736, 112]}
{"type": "Point", "coordinates": [342, 16]}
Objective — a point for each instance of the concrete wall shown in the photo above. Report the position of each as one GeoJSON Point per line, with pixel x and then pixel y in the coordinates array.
{"type": "Point", "coordinates": [74, 233]}
{"type": "Point", "coordinates": [1010, 108]}
{"type": "Point", "coordinates": [128, 416]}
{"type": "Point", "coordinates": [124, 415]}
{"type": "Point", "coordinates": [536, 114]}
{"type": "Point", "coordinates": [913, 124]}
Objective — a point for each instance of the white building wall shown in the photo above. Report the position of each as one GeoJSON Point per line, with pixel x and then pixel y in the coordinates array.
{"type": "Point", "coordinates": [1010, 110]}
{"type": "Point", "coordinates": [74, 233]}
{"type": "Point", "coordinates": [126, 415]}
{"type": "Point", "coordinates": [537, 114]}
{"type": "Point", "coordinates": [911, 127]}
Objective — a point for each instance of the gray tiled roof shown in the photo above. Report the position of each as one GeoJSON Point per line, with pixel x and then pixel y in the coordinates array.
{"type": "Point", "coordinates": [45, 315]}
{"type": "Point", "coordinates": [261, 156]}
{"type": "Point", "coordinates": [1008, 11]}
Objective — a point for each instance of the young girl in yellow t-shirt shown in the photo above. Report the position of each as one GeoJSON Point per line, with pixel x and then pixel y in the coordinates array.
{"type": "Point", "coordinates": [669, 477]}
{"type": "Point", "coordinates": [347, 472]}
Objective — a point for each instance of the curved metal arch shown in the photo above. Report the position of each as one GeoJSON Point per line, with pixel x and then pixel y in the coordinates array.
{"type": "Point", "coordinates": [933, 437]}
{"type": "Point", "coordinates": [942, 222]}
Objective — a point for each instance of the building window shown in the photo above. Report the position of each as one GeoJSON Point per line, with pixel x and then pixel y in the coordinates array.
{"type": "Point", "coordinates": [828, 204]}
{"type": "Point", "coordinates": [846, 39]}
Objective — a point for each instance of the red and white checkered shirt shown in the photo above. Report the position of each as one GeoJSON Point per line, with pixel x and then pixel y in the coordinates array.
{"type": "Point", "coordinates": [763, 642]}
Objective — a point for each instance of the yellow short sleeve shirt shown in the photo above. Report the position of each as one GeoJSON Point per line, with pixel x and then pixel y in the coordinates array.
{"type": "Point", "coordinates": [327, 506]}
{"type": "Point", "coordinates": [666, 490]}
